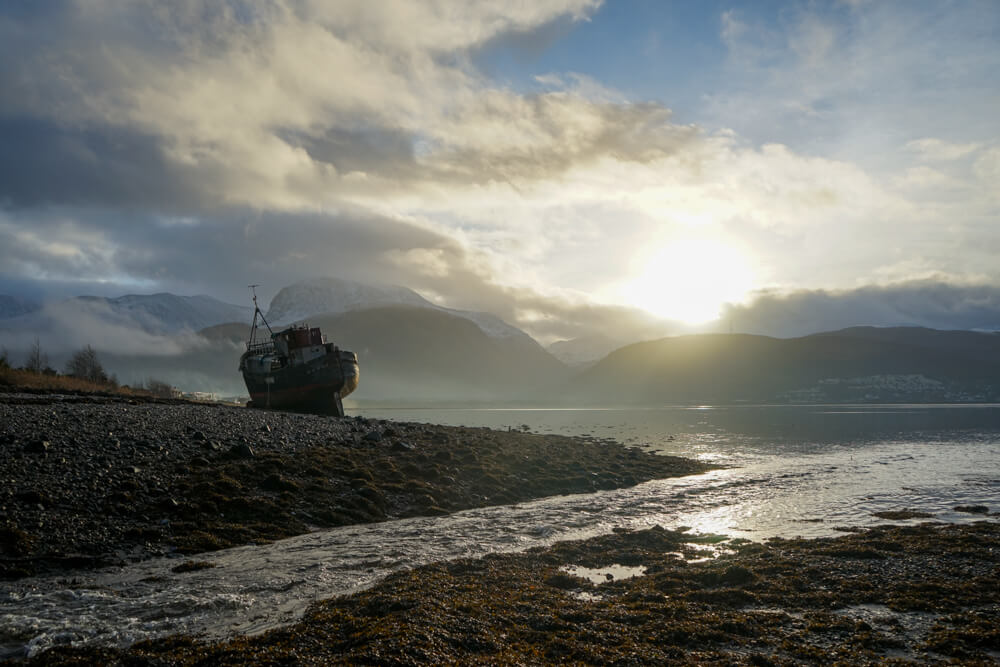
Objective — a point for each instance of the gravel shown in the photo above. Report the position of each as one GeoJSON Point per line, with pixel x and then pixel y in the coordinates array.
{"type": "Point", "coordinates": [94, 481]}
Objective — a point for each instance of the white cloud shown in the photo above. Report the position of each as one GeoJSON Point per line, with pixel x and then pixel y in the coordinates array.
{"type": "Point", "coordinates": [365, 129]}
{"type": "Point", "coordinates": [937, 150]}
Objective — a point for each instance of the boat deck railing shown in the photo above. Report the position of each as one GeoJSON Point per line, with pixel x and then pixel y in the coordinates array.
{"type": "Point", "coordinates": [261, 348]}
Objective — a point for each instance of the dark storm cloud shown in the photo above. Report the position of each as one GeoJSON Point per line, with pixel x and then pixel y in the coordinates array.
{"type": "Point", "coordinates": [926, 303]}
{"type": "Point", "coordinates": [33, 11]}
{"type": "Point", "coordinates": [191, 254]}
{"type": "Point", "coordinates": [43, 162]}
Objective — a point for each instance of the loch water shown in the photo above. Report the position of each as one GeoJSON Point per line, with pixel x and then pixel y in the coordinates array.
{"type": "Point", "coordinates": [790, 470]}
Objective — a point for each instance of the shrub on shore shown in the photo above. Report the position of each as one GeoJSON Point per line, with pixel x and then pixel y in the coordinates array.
{"type": "Point", "coordinates": [85, 365]}
{"type": "Point", "coordinates": [19, 378]}
{"type": "Point", "coordinates": [84, 374]}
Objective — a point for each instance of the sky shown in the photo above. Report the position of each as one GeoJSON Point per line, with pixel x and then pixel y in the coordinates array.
{"type": "Point", "coordinates": [576, 167]}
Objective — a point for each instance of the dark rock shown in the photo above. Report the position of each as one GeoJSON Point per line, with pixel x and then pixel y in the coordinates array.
{"type": "Point", "coordinates": [192, 566]}
{"type": "Point", "coordinates": [32, 497]}
{"type": "Point", "coordinates": [973, 509]}
{"type": "Point", "coordinates": [14, 541]}
{"type": "Point", "coordinates": [902, 515]}
{"type": "Point", "coordinates": [37, 447]}
{"type": "Point", "coordinates": [373, 436]}
{"type": "Point", "coordinates": [169, 504]}
{"type": "Point", "coordinates": [243, 451]}
{"type": "Point", "coordinates": [275, 482]}
{"type": "Point", "coordinates": [199, 436]}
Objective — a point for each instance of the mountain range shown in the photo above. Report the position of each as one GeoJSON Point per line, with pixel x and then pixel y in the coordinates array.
{"type": "Point", "coordinates": [414, 351]}
{"type": "Point", "coordinates": [897, 364]}
{"type": "Point", "coordinates": [152, 313]}
{"type": "Point", "coordinates": [12, 306]}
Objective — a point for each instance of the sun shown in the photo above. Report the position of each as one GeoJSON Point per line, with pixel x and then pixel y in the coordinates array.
{"type": "Point", "coordinates": [690, 280]}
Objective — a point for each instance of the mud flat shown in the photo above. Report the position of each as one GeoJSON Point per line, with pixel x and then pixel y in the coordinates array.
{"type": "Point", "coordinates": [91, 481]}
{"type": "Point", "coordinates": [924, 594]}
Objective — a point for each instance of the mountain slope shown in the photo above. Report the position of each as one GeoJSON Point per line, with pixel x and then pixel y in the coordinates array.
{"type": "Point", "coordinates": [423, 354]}
{"type": "Point", "coordinates": [147, 313]}
{"type": "Point", "coordinates": [12, 306]}
{"type": "Point", "coordinates": [962, 344]}
{"type": "Point", "coordinates": [838, 366]}
{"type": "Point", "coordinates": [584, 351]}
{"type": "Point", "coordinates": [335, 295]}
{"type": "Point", "coordinates": [316, 296]}
{"type": "Point", "coordinates": [167, 313]}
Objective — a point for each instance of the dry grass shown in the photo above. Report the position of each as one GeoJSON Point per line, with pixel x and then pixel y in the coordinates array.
{"type": "Point", "coordinates": [14, 379]}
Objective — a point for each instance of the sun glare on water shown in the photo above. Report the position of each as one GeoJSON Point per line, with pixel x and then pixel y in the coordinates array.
{"type": "Point", "coordinates": [689, 281]}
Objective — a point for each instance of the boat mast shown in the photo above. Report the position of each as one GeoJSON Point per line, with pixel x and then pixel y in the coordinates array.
{"type": "Point", "coordinates": [256, 313]}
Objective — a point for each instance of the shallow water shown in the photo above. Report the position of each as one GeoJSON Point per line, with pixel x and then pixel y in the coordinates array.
{"type": "Point", "coordinates": [796, 471]}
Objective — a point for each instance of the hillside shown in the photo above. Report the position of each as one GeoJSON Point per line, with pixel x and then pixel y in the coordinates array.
{"type": "Point", "coordinates": [406, 353]}
{"type": "Point", "coordinates": [101, 317]}
{"type": "Point", "coordinates": [308, 298]}
{"type": "Point", "coordinates": [12, 306]}
{"type": "Point", "coordinates": [852, 365]}
{"type": "Point", "coordinates": [336, 295]}
{"type": "Point", "coordinates": [422, 354]}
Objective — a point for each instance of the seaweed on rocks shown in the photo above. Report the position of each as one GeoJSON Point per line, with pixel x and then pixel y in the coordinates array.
{"type": "Point", "coordinates": [932, 597]}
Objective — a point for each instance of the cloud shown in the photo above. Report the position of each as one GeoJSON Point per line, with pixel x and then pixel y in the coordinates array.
{"type": "Point", "coordinates": [935, 150]}
{"type": "Point", "coordinates": [64, 327]}
{"type": "Point", "coordinates": [277, 249]}
{"type": "Point", "coordinates": [212, 102]}
{"type": "Point", "coordinates": [202, 146]}
{"type": "Point", "coordinates": [43, 162]}
{"type": "Point", "coordinates": [932, 303]}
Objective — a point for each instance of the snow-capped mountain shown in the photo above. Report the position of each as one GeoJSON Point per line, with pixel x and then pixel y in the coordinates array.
{"type": "Point", "coordinates": [319, 296]}
{"type": "Point", "coordinates": [149, 313]}
{"type": "Point", "coordinates": [12, 306]}
{"type": "Point", "coordinates": [169, 313]}
{"type": "Point", "coordinates": [334, 295]}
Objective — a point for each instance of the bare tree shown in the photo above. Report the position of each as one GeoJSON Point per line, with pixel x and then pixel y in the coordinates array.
{"type": "Point", "coordinates": [4, 358]}
{"type": "Point", "coordinates": [37, 360]}
{"type": "Point", "coordinates": [85, 365]}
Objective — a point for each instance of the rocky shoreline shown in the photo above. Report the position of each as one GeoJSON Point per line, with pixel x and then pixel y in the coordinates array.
{"type": "Point", "coordinates": [90, 481]}
{"type": "Point", "coordinates": [99, 480]}
{"type": "Point", "coordinates": [925, 594]}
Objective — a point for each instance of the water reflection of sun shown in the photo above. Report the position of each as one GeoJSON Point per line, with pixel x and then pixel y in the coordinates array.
{"type": "Point", "coordinates": [690, 281]}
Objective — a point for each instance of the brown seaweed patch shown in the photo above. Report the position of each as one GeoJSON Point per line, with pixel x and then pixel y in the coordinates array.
{"type": "Point", "coordinates": [192, 566]}
{"type": "Point", "coordinates": [973, 509]}
{"type": "Point", "coordinates": [901, 515]}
